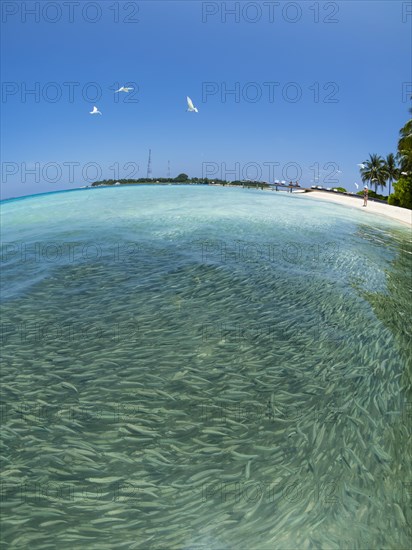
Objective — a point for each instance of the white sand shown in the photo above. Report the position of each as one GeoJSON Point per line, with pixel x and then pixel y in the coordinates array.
{"type": "Point", "coordinates": [402, 215]}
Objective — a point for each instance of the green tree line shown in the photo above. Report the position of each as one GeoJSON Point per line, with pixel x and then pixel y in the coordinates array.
{"type": "Point", "coordinates": [181, 178]}
{"type": "Point", "coordinates": [394, 170]}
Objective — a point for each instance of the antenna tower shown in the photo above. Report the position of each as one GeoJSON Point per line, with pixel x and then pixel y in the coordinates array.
{"type": "Point", "coordinates": [149, 165]}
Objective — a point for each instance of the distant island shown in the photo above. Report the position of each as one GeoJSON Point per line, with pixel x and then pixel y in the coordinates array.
{"type": "Point", "coordinates": [181, 178]}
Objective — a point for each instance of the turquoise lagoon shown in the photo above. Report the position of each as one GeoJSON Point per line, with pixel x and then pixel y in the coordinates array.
{"type": "Point", "coordinates": [192, 367]}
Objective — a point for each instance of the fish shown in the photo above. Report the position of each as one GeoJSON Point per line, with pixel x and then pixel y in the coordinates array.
{"type": "Point", "coordinates": [141, 430]}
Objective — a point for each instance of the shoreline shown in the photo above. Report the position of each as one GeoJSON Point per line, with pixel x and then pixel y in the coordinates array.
{"type": "Point", "coordinates": [396, 213]}
{"type": "Point", "coordinates": [401, 215]}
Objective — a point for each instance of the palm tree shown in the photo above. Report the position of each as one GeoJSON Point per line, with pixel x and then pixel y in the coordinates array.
{"type": "Point", "coordinates": [374, 171]}
{"type": "Point", "coordinates": [405, 147]}
{"type": "Point", "coordinates": [392, 171]}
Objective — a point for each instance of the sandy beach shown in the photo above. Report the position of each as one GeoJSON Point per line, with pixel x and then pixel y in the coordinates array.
{"type": "Point", "coordinates": [402, 215]}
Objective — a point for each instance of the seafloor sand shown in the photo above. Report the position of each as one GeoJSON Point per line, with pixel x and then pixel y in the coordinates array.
{"type": "Point", "coordinates": [402, 215]}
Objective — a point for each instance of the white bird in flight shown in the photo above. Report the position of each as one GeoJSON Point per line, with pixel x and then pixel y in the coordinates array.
{"type": "Point", "coordinates": [361, 166]}
{"type": "Point", "coordinates": [357, 186]}
{"type": "Point", "coordinates": [190, 107]}
{"type": "Point", "coordinates": [95, 111]}
{"type": "Point", "coordinates": [124, 89]}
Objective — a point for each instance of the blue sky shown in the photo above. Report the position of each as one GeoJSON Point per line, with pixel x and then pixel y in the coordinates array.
{"type": "Point", "coordinates": [362, 61]}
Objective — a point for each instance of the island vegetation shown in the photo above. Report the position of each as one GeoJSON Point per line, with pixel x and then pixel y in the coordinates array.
{"type": "Point", "coordinates": [394, 170]}
{"type": "Point", "coordinates": [181, 179]}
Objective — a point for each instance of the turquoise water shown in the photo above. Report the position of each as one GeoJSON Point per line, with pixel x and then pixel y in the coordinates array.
{"type": "Point", "coordinates": [193, 367]}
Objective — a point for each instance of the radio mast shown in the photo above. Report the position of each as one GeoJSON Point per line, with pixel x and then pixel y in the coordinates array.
{"type": "Point", "coordinates": [149, 165]}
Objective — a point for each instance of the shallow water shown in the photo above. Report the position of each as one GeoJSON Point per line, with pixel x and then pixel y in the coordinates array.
{"type": "Point", "coordinates": [193, 367]}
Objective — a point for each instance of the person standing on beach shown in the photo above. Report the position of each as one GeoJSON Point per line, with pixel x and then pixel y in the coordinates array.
{"type": "Point", "coordinates": [365, 196]}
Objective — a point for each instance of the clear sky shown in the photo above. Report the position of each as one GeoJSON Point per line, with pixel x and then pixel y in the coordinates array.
{"type": "Point", "coordinates": [317, 83]}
